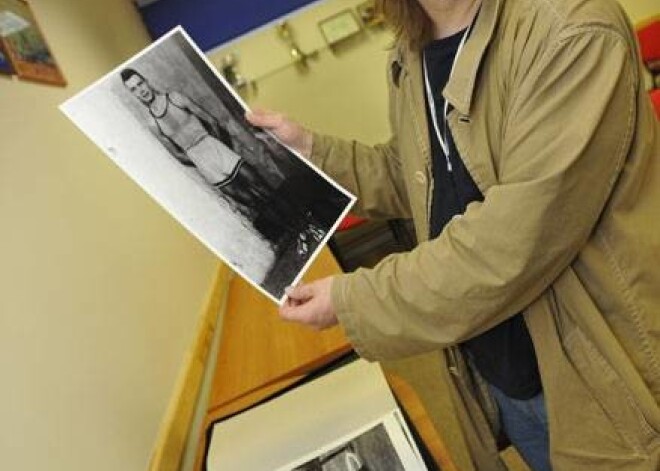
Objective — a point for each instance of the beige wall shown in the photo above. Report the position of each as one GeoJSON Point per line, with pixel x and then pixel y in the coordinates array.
{"type": "Point", "coordinates": [100, 290]}
{"type": "Point", "coordinates": [343, 90]}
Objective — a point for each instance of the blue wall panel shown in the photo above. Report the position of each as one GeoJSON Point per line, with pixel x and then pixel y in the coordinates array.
{"type": "Point", "coordinates": [213, 22]}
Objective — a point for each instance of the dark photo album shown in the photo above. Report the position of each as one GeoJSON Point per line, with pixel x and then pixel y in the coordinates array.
{"type": "Point", "coordinates": [175, 126]}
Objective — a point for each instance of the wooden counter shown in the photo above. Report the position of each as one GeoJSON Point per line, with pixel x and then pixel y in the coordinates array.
{"type": "Point", "coordinates": [260, 354]}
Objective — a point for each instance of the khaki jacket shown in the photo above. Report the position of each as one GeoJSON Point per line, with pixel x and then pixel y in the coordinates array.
{"type": "Point", "coordinates": [554, 126]}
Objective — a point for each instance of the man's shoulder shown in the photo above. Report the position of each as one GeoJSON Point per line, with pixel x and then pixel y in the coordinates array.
{"type": "Point", "coordinates": [564, 17]}
{"type": "Point", "coordinates": [532, 32]}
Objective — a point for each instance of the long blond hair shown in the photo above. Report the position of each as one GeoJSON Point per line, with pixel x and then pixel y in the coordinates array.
{"type": "Point", "coordinates": [410, 22]}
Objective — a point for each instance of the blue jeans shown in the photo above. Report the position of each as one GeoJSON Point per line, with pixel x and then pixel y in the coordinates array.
{"type": "Point", "coordinates": [525, 422]}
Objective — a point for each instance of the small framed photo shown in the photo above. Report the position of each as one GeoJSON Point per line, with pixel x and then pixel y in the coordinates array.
{"type": "Point", "coordinates": [25, 46]}
{"type": "Point", "coordinates": [339, 27]}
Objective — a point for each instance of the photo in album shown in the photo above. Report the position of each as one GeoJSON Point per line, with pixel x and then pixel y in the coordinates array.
{"type": "Point", "coordinates": [371, 449]}
{"type": "Point", "coordinates": [175, 126]}
{"type": "Point", "coordinates": [309, 427]}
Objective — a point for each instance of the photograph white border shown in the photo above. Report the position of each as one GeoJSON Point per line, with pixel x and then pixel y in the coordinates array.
{"type": "Point", "coordinates": [236, 96]}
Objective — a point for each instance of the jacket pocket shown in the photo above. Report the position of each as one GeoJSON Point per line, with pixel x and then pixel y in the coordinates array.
{"type": "Point", "coordinates": [605, 384]}
{"type": "Point", "coordinates": [610, 392]}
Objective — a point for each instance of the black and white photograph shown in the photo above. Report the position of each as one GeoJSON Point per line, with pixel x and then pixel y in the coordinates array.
{"type": "Point", "coordinates": [174, 125]}
{"type": "Point", "coordinates": [370, 451]}
{"type": "Point", "coordinates": [311, 427]}
{"type": "Point", "coordinates": [383, 445]}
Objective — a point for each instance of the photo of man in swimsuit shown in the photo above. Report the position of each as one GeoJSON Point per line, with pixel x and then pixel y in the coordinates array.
{"type": "Point", "coordinates": [197, 139]}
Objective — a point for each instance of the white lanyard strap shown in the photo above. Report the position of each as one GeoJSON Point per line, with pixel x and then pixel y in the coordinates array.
{"type": "Point", "coordinates": [442, 136]}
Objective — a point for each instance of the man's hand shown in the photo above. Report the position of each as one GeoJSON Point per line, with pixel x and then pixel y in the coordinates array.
{"type": "Point", "coordinates": [310, 304]}
{"type": "Point", "coordinates": [289, 132]}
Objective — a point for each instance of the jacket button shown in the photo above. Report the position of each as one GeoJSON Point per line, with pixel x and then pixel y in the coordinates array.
{"type": "Point", "coordinates": [420, 177]}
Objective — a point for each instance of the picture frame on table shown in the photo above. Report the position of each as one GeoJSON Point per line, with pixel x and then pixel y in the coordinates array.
{"type": "Point", "coordinates": [25, 47]}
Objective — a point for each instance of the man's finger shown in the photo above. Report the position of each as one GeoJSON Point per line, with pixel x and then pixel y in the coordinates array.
{"type": "Point", "coordinates": [300, 292]}
{"type": "Point", "coordinates": [302, 313]}
{"type": "Point", "coordinates": [264, 119]}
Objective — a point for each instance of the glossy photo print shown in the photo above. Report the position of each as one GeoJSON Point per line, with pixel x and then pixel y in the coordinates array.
{"type": "Point", "coordinates": [174, 125]}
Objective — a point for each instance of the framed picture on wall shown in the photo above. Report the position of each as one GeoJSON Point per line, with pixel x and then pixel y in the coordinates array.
{"type": "Point", "coordinates": [5, 65]}
{"type": "Point", "coordinates": [24, 44]}
{"type": "Point", "coordinates": [339, 27]}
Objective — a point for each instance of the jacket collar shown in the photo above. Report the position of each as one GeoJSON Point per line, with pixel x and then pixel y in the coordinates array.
{"type": "Point", "coordinates": [460, 88]}
{"type": "Point", "coordinates": [407, 71]}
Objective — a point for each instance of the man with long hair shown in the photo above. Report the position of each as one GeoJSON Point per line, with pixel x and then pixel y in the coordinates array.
{"type": "Point", "coordinates": [526, 151]}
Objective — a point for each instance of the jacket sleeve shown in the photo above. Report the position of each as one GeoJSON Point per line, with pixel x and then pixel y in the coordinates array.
{"type": "Point", "coordinates": [565, 138]}
{"type": "Point", "coordinates": [372, 173]}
